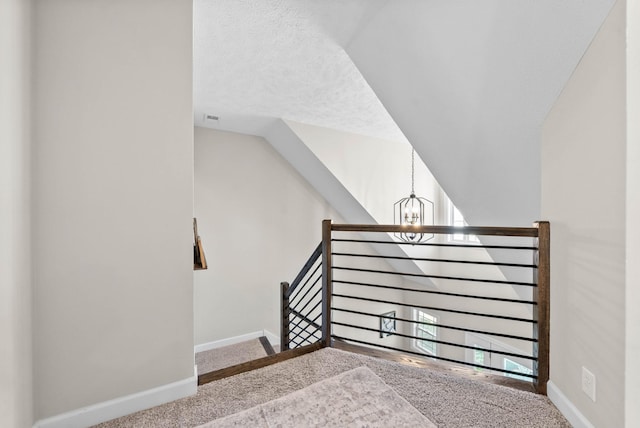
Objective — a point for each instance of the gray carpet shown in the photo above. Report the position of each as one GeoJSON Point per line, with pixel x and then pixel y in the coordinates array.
{"type": "Point", "coordinates": [353, 399]}
{"type": "Point", "coordinates": [227, 356]}
{"type": "Point", "coordinates": [447, 400]}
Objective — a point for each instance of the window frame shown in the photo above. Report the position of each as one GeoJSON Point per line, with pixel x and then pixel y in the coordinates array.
{"type": "Point", "coordinates": [455, 218]}
{"type": "Point", "coordinates": [492, 359]}
{"type": "Point", "coordinates": [430, 348]}
{"type": "Point", "coordinates": [523, 369]}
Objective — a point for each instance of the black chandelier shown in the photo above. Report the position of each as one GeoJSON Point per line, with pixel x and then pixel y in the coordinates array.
{"type": "Point", "coordinates": [410, 212]}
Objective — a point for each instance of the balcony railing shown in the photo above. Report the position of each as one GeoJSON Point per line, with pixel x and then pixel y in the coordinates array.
{"type": "Point", "coordinates": [482, 303]}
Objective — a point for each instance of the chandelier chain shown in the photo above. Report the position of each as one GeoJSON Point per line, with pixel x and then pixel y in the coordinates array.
{"type": "Point", "coordinates": [413, 153]}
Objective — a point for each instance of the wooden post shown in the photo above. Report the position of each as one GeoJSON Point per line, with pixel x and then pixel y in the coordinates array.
{"type": "Point", "coordinates": [541, 276]}
{"type": "Point", "coordinates": [326, 283]}
{"type": "Point", "coordinates": [284, 311]}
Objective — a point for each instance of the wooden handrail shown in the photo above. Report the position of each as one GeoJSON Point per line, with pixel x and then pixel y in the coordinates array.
{"type": "Point", "coordinates": [527, 232]}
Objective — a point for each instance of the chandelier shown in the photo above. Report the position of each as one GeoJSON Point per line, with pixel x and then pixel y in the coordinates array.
{"type": "Point", "coordinates": [410, 212]}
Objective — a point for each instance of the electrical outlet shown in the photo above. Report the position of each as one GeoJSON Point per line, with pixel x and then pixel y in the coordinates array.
{"type": "Point", "coordinates": [589, 384]}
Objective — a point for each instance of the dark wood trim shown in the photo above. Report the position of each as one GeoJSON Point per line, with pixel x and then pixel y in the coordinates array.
{"type": "Point", "coordinates": [326, 282]}
{"type": "Point", "coordinates": [267, 345]}
{"type": "Point", "coordinates": [199, 260]}
{"type": "Point", "coordinates": [541, 294]}
{"type": "Point", "coordinates": [531, 232]}
{"type": "Point", "coordinates": [415, 361]}
{"type": "Point", "coordinates": [284, 316]}
{"type": "Point", "coordinates": [256, 364]}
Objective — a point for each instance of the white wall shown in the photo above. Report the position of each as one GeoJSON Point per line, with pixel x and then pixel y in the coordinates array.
{"type": "Point", "coordinates": [583, 196]}
{"type": "Point", "coordinates": [113, 199]}
{"type": "Point", "coordinates": [376, 172]}
{"type": "Point", "coordinates": [236, 172]}
{"type": "Point", "coordinates": [632, 390]}
{"type": "Point", "coordinates": [15, 284]}
{"type": "Point", "coordinates": [471, 96]}
{"type": "Point", "coordinates": [292, 148]}
{"type": "Point", "coordinates": [259, 221]}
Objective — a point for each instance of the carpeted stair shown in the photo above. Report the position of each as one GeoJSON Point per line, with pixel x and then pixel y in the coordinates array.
{"type": "Point", "coordinates": [227, 356]}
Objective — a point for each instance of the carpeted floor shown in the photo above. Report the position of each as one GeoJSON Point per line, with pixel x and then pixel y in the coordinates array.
{"type": "Point", "coordinates": [355, 398]}
{"type": "Point", "coordinates": [227, 356]}
{"type": "Point", "coordinates": [445, 399]}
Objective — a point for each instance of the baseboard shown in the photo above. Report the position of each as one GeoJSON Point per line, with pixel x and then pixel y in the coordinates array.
{"type": "Point", "coordinates": [273, 339]}
{"type": "Point", "coordinates": [228, 341]}
{"type": "Point", "coordinates": [566, 407]}
{"type": "Point", "coordinates": [107, 410]}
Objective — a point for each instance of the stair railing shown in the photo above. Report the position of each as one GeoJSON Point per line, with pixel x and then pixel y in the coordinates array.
{"type": "Point", "coordinates": [358, 291]}
{"type": "Point", "coordinates": [301, 305]}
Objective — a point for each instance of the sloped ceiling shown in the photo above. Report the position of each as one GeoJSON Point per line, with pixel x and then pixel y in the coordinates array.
{"type": "Point", "coordinates": [468, 82]}
{"type": "Point", "coordinates": [257, 60]}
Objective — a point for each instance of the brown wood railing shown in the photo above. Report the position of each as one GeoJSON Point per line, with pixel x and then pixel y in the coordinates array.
{"type": "Point", "coordinates": [490, 295]}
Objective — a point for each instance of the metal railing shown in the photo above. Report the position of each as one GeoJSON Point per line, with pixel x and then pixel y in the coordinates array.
{"type": "Point", "coordinates": [301, 305]}
{"type": "Point", "coordinates": [482, 303]}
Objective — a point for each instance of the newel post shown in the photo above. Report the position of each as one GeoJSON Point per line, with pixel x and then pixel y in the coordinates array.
{"type": "Point", "coordinates": [285, 311]}
{"type": "Point", "coordinates": [541, 276]}
{"type": "Point", "coordinates": [326, 283]}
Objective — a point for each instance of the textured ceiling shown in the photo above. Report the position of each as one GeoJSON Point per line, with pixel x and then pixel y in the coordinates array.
{"type": "Point", "coordinates": [469, 82]}
{"type": "Point", "coordinates": [259, 60]}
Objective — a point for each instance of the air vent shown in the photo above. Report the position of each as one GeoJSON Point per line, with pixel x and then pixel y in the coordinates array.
{"type": "Point", "coordinates": [211, 117]}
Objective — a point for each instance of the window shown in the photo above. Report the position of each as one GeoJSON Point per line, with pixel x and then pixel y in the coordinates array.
{"type": "Point", "coordinates": [516, 367]}
{"type": "Point", "coordinates": [426, 332]}
{"type": "Point", "coordinates": [456, 219]}
{"type": "Point", "coordinates": [478, 358]}
{"type": "Point", "coordinates": [488, 352]}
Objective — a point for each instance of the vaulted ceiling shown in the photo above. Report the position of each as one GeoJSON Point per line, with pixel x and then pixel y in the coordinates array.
{"type": "Point", "coordinates": [468, 82]}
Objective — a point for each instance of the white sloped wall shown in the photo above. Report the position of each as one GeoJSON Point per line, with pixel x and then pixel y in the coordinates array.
{"type": "Point", "coordinates": [469, 84]}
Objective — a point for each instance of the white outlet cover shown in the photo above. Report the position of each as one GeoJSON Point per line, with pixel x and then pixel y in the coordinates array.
{"type": "Point", "coordinates": [589, 383]}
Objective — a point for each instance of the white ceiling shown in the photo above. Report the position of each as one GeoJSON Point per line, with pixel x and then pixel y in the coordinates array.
{"type": "Point", "coordinates": [477, 81]}
{"type": "Point", "coordinates": [256, 60]}
{"type": "Point", "coordinates": [469, 82]}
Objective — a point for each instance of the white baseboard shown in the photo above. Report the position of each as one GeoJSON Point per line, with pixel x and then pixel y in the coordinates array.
{"type": "Point", "coordinates": [228, 341]}
{"type": "Point", "coordinates": [273, 339]}
{"type": "Point", "coordinates": [566, 407]}
{"type": "Point", "coordinates": [107, 410]}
